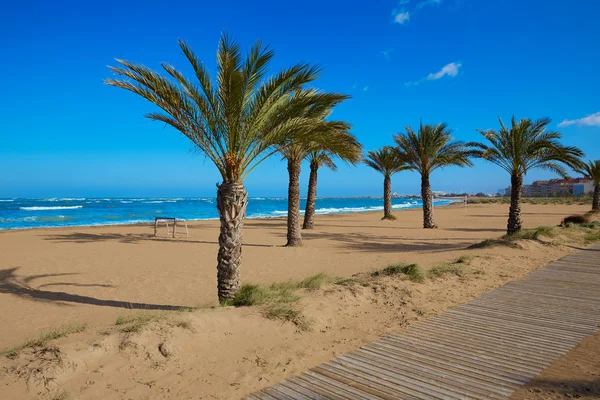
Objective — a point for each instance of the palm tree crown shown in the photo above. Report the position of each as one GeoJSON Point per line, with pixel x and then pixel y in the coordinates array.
{"type": "Point", "coordinates": [591, 170]}
{"type": "Point", "coordinates": [386, 160]}
{"type": "Point", "coordinates": [526, 145]}
{"type": "Point", "coordinates": [431, 148]}
{"type": "Point", "coordinates": [321, 158]}
{"type": "Point", "coordinates": [244, 117]}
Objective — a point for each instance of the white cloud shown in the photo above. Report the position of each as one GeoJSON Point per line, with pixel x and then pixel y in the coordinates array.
{"type": "Point", "coordinates": [590, 120]}
{"type": "Point", "coordinates": [426, 3]}
{"type": "Point", "coordinates": [387, 54]}
{"type": "Point", "coordinates": [366, 88]}
{"type": "Point", "coordinates": [400, 17]}
{"type": "Point", "coordinates": [451, 70]}
{"type": "Point", "coordinates": [355, 86]}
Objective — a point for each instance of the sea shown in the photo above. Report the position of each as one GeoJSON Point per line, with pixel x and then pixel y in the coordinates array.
{"type": "Point", "coordinates": [79, 211]}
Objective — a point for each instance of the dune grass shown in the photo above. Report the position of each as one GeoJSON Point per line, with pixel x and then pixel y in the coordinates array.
{"type": "Point", "coordinates": [135, 322]}
{"type": "Point", "coordinates": [441, 270]}
{"type": "Point", "coordinates": [571, 227]}
{"type": "Point", "coordinates": [412, 271]}
{"type": "Point", "coordinates": [278, 300]}
{"type": "Point", "coordinates": [456, 267]}
{"type": "Point", "coordinates": [44, 338]}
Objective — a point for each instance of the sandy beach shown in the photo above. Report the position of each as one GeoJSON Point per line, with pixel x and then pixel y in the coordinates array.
{"type": "Point", "coordinates": [93, 275]}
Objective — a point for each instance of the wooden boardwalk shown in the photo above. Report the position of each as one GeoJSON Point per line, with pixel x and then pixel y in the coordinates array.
{"type": "Point", "coordinates": [483, 349]}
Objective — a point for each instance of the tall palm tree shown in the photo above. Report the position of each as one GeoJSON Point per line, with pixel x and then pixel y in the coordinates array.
{"type": "Point", "coordinates": [592, 171]}
{"type": "Point", "coordinates": [334, 138]}
{"type": "Point", "coordinates": [428, 150]}
{"type": "Point", "coordinates": [236, 121]}
{"type": "Point", "coordinates": [524, 146]}
{"type": "Point", "coordinates": [320, 157]}
{"type": "Point", "coordinates": [387, 161]}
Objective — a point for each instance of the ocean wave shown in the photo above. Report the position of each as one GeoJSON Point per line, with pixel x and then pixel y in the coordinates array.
{"type": "Point", "coordinates": [49, 208]}
{"type": "Point", "coordinates": [6, 201]}
{"type": "Point", "coordinates": [64, 199]}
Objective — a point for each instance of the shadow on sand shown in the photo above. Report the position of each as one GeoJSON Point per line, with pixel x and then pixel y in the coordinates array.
{"type": "Point", "coordinates": [567, 388]}
{"type": "Point", "coordinates": [19, 286]}
{"type": "Point", "coordinates": [128, 238]}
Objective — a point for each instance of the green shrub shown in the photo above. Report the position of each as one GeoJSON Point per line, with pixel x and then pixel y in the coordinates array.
{"type": "Point", "coordinates": [575, 219]}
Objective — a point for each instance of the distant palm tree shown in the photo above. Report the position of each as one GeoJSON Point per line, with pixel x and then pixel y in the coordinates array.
{"type": "Point", "coordinates": [336, 140]}
{"type": "Point", "coordinates": [524, 146]}
{"type": "Point", "coordinates": [323, 158]}
{"type": "Point", "coordinates": [386, 161]}
{"type": "Point", "coordinates": [236, 121]}
{"type": "Point", "coordinates": [592, 171]}
{"type": "Point", "coordinates": [430, 149]}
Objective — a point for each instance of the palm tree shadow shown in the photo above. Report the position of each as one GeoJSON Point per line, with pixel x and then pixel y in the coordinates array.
{"type": "Point", "coordinates": [18, 286]}
{"type": "Point", "coordinates": [379, 243]}
{"type": "Point", "coordinates": [127, 238]}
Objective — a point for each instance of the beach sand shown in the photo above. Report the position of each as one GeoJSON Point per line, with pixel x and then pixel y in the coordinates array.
{"type": "Point", "coordinates": [91, 275]}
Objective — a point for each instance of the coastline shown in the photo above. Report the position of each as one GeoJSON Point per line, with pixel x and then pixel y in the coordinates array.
{"type": "Point", "coordinates": [451, 201]}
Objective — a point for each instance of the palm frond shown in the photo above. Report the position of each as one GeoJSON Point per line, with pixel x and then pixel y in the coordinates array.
{"type": "Point", "coordinates": [527, 145]}
{"type": "Point", "coordinates": [432, 147]}
{"type": "Point", "coordinates": [242, 117]}
{"type": "Point", "coordinates": [386, 160]}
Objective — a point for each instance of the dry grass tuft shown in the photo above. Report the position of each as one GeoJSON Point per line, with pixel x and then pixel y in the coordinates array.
{"type": "Point", "coordinates": [135, 322]}
{"type": "Point", "coordinates": [46, 337]}
{"type": "Point", "coordinates": [412, 271]}
{"type": "Point", "coordinates": [446, 269]}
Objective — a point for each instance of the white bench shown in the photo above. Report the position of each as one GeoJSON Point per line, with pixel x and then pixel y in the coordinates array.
{"type": "Point", "coordinates": [166, 221]}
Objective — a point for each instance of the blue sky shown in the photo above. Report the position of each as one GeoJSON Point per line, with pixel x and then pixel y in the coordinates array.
{"type": "Point", "coordinates": [465, 62]}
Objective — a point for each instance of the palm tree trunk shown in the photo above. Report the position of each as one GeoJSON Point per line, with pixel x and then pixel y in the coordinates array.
{"type": "Point", "coordinates": [428, 222]}
{"type": "Point", "coordinates": [387, 197]}
{"type": "Point", "coordinates": [294, 237]}
{"type": "Point", "coordinates": [232, 200]}
{"type": "Point", "coordinates": [514, 214]}
{"type": "Point", "coordinates": [311, 197]}
{"type": "Point", "coordinates": [596, 200]}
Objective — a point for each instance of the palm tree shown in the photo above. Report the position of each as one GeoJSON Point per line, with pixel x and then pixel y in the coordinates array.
{"type": "Point", "coordinates": [387, 161]}
{"type": "Point", "coordinates": [592, 171]}
{"type": "Point", "coordinates": [320, 157]}
{"type": "Point", "coordinates": [524, 146]}
{"type": "Point", "coordinates": [236, 121]}
{"type": "Point", "coordinates": [335, 139]}
{"type": "Point", "coordinates": [428, 150]}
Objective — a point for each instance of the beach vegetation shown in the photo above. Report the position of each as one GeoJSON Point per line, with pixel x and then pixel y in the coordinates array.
{"type": "Point", "coordinates": [131, 323]}
{"type": "Point", "coordinates": [446, 269]}
{"type": "Point", "coordinates": [575, 219]}
{"type": "Point", "coordinates": [387, 162]}
{"type": "Point", "coordinates": [45, 338]}
{"type": "Point", "coordinates": [429, 149]}
{"type": "Point", "coordinates": [464, 259]}
{"type": "Point", "coordinates": [412, 271]}
{"type": "Point", "coordinates": [524, 146]}
{"type": "Point", "coordinates": [236, 121]}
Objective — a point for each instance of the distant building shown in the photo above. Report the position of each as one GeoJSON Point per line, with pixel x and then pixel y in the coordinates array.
{"type": "Point", "coordinates": [556, 187]}
{"type": "Point", "coordinates": [583, 188]}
